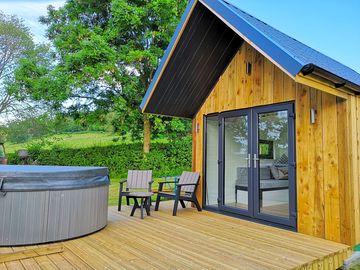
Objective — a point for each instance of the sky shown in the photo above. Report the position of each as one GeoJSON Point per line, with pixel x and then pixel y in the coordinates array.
{"type": "Point", "coordinates": [30, 11]}
{"type": "Point", "coordinates": [329, 26]}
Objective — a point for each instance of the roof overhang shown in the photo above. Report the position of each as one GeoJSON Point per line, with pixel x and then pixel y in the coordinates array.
{"type": "Point", "coordinates": [201, 48]}
{"type": "Point", "coordinates": [317, 73]}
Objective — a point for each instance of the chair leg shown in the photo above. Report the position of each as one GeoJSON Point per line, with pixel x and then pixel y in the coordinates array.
{"type": "Point", "coordinates": [142, 208]}
{"type": "Point", "coordinates": [147, 206]}
{"type": "Point", "coordinates": [182, 204]}
{"type": "Point", "coordinates": [136, 205]}
{"type": "Point", "coordinates": [197, 204]}
{"type": "Point", "coordinates": [127, 200]}
{"type": "Point", "coordinates": [175, 206]}
{"type": "Point", "coordinates": [157, 202]}
{"type": "Point", "coordinates": [119, 204]}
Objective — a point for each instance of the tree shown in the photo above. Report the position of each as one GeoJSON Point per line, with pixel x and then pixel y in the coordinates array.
{"type": "Point", "coordinates": [142, 31]}
{"type": "Point", "coordinates": [106, 54]}
{"type": "Point", "coordinates": [15, 43]}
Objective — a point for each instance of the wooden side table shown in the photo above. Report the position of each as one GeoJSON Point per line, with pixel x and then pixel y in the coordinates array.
{"type": "Point", "coordinates": [144, 202]}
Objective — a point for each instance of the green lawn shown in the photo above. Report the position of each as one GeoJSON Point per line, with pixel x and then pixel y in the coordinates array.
{"type": "Point", "coordinates": [75, 140]}
{"type": "Point", "coordinates": [72, 140]}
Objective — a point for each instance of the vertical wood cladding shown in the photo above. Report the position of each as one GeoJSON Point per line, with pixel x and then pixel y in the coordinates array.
{"type": "Point", "coordinates": [326, 151]}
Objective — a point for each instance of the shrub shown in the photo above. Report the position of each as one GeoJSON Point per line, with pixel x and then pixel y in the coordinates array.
{"type": "Point", "coordinates": [165, 158]}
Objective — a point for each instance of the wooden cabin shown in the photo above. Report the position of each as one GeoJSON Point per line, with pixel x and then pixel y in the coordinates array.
{"type": "Point", "coordinates": [276, 124]}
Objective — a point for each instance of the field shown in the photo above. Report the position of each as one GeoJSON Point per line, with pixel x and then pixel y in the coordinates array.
{"type": "Point", "coordinates": [73, 140]}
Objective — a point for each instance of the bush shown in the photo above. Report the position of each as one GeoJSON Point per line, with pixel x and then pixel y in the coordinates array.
{"type": "Point", "coordinates": [20, 131]}
{"type": "Point", "coordinates": [165, 158]}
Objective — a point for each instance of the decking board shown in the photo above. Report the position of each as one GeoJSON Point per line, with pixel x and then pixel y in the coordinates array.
{"type": "Point", "coordinates": [191, 240]}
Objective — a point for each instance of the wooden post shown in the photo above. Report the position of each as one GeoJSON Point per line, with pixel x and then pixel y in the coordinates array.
{"type": "Point", "coordinates": [194, 144]}
{"type": "Point", "coordinates": [147, 134]}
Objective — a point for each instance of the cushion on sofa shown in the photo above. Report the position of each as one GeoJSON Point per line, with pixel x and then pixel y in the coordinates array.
{"type": "Point", "coordinates": [242, 175]}
{"type": "Point", "coordinates": [265, 173]}
{"type": "Point", "coordinates": [279, 172]}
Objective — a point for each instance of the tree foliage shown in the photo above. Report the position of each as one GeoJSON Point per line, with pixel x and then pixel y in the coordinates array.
{"type": "Point", "coordinates": [15, 44]}
{"type": "Point", "coordinates": [105, 54]}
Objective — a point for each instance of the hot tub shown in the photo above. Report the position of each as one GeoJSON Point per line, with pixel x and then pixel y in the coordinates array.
{"type": "Point", "coordinates": [40, 204]}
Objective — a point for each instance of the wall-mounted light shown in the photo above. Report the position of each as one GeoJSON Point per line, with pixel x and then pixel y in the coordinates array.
{"type": "Point", "coordinates": [313, 116]}
{"type": "Point", "coordinates": [248, 68]}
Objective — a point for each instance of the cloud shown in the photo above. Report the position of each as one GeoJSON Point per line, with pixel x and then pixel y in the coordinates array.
{"type": "Point", "coordinates": [30, 11]}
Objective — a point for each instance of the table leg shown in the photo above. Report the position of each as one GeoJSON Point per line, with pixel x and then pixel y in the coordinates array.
{"type": "Point", "coordinates": [142, 208]}
{"type": "Point", "coordinates": [136, 205]}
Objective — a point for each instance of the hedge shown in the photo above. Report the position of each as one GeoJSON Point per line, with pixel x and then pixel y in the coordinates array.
{"type": "Point", "coordinates": [165, 158]}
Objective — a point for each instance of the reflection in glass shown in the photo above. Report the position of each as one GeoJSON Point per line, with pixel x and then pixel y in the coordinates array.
{"type": "Point", "coordinates": [212, 136]}
{"type": "Point", "coordinates": [236, 162]}
{"type": "Point", "coordinates": [273, 167]}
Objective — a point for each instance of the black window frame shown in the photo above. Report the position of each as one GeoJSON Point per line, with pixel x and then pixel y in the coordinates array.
{"type": "Point", "coordinates": [290, 223]}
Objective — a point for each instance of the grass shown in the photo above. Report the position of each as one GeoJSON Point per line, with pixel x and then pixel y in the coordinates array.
{"type": "Point", "coordinates": [71, 140]}
{"type": "Point", "coordinates": [74, 140]}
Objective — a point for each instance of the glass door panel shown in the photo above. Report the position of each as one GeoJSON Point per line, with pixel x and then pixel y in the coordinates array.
{"type": "Point", "coordinates": [273, 169]}
{"type": "Point", "coordinates": [250, 163]}
{"type": "Point", "coordinates": [211, 170]}
{"type": "Point", "coordinates": [236, 162]}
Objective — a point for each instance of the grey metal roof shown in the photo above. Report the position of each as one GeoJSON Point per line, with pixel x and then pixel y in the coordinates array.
{"type": "Point", "coordinates": [298, 50]}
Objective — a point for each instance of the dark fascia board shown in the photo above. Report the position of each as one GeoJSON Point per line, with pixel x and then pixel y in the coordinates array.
{"type": "Point", "coordinates": [255, 37]}
{"type": "Point", "coordinates": [167, 54]}
{"type": "Point", "coordinates": [332, 79]}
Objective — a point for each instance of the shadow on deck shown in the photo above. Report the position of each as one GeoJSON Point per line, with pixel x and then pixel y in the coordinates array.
{"type": "Point", "coordinates": [192, 240]}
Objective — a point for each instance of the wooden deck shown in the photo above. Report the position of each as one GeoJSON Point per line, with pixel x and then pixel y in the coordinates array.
{"type": "Point", "coordinates": [192, 240]}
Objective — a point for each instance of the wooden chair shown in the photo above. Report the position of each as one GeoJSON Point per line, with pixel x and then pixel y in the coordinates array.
{"type": "Point", "coordinates": [185, 191]}
{"type": "Point", "coordinates": [136, 181]}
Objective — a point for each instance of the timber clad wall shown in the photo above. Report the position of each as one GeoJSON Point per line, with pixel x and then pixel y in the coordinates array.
{"type": "Point", "coordinates": [326, 152]}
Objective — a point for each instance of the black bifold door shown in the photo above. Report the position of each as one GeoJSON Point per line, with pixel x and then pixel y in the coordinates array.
{"type": "Point", "coordinates": [250, 163]}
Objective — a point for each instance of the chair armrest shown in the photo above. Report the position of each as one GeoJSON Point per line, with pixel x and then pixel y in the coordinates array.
{"type": "Point", "coordinates": [170, 182]}
{"type": "Point", "coordinates": [150, 183]}
{"type": "Point", "coordinates": [122, 184]}
{"type": "Point", "coordinates": [178, 187]}
{"type": "Point", "coordinates": [190, 184]}
{"type": "Point", "coordinates": [161, 185]}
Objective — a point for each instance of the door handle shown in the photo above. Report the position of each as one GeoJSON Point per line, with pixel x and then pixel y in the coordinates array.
{"type": "Point", "coordinates": [248, 159]}
{"type": "Point", "coordinates": [256, 159]}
